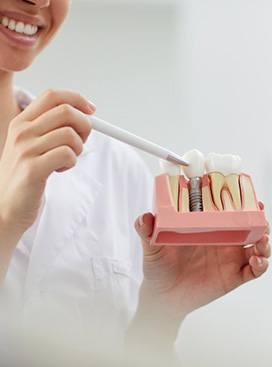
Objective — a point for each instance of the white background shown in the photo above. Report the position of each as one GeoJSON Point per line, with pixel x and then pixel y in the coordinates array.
{"type": "Point", "coordinates": [196, 74]}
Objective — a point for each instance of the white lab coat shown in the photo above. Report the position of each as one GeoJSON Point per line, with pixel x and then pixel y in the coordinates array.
{"type": "Point", "coordinates": [81, 262]}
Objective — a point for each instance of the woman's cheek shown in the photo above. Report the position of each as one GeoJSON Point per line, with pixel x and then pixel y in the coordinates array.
{"type": "Point", "coordinates": [59, 10]}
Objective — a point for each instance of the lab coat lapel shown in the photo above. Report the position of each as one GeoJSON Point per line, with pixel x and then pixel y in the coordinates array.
{"type": "Point", "coordinates": [69, 198]}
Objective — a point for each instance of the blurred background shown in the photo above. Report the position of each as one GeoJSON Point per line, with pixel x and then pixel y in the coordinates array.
{"type": "Point", "coordinates": [186, 74]}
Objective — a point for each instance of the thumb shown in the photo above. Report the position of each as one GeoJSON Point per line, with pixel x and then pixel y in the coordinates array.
{"type": "Point", "coordinates": [144, 225]}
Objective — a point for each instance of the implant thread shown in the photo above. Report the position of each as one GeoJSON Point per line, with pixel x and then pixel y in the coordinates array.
{"type": "Point", "coordinates": [196, 204]}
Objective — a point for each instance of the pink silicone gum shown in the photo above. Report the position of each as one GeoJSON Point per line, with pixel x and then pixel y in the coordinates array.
{"type": "Point", "coordinates": [235, 228]}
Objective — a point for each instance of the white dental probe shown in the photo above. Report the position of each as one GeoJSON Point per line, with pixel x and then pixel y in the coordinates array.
{"type": "Point", "coordinates": [126, 137]}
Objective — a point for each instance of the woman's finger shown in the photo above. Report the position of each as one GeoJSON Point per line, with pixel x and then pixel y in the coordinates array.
{"type": "Point", "coordinates": [268, 228]}
{"type": "Point", "coordinates": [53, 98]}
{"type": "Point", "coordinates": [63, 115]}
{"type": "Point", "coordinates": [256, 267]}
{"type": "Point", "coordinates": [262, 248]}
{"type": "Point", "coordinates": [144, 226]}
{"type": "Point", "coordinates": [56, 138]}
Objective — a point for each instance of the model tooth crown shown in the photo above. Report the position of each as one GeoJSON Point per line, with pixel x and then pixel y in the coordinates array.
{"type": "Point", "coordinates": [196, 162]}
{"type": "Point", "coordinates": [227, 164]}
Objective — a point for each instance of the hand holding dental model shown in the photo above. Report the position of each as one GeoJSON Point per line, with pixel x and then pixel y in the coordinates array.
{"type": "Point", "coordinates": [180, 279]}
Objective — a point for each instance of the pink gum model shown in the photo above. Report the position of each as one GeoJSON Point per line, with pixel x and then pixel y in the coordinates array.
{"type": "Point", "coordinates": [237, 228]}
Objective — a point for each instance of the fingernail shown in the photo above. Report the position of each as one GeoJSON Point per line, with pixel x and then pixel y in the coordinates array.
{"type": "Point", "coordinates": [141, 220]}
{"type": "Point", "coordinates": [259, 261]}
{"type": "Point", "coordinates": [91, 106]}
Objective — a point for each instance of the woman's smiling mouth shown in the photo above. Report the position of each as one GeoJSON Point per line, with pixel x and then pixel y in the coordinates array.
{"type": "Point", "coordinates": [21, 29]}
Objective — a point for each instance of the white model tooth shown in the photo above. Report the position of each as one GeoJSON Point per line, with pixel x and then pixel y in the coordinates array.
{"type": "Point", "coordinates": [224, 171]}
{"type": "Point", "coordinates": [212, 162]}
{"type": "Point", "coordinates": [227, 200]}
{"type": "Point", "coordinates": [217, 185]}
{"type": "Point", "coordinates": [12, 25]}
{"type": "Point", "coordinates": [214, 167]}
{"type": "Point", "coordinates": [20, 27]}
{"type": "Point", "coordinates": [250, 201]}
{"type": "Point", "coordinates": [233, 185]}
{"type": "Point", "coordinates": [232, 164]}
{"type": "Point", "coordinates": [226, 164]}
{"type": "Point", "coordinates": [5, 21]}
{"type": "Point", "coordinates": [196, 162]}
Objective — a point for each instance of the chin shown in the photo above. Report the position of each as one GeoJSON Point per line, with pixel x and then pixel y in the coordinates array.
{"type": "Point", "coordinates": [14, 63]}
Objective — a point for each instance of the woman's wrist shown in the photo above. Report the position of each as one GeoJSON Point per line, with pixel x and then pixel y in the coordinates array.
{"type": "Point", "coordinates": [155, 325]}
{"type": "Point", "coordinates": [9, 230]}
{"type": "Point", "coordinates": [8, 242]}
{"type": "Point", "coordinates": [164, 302]}
{"type": "Point", "coordinates": [153, 330]}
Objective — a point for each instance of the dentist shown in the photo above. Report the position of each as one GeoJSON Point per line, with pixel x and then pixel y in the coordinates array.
{"type": "Point", "coordinates": [68, 203]}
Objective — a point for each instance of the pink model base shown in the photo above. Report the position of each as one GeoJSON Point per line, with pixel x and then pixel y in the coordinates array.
{"type": "Point", "coordinates": [218, 228]}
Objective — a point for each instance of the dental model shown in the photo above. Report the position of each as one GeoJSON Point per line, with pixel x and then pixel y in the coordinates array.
{"type": "Point", "coordinates": [216, 207]}
{"type": "Point", "coordinates": [195, 172]}
{"type": "Point", "coordinates": [224, 171]}
{"type": "Point", "coordinates": [173, 173]}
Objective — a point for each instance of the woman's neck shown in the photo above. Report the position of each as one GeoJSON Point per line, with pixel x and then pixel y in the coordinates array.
{"type": "Point", "coordinates": [8, 104]}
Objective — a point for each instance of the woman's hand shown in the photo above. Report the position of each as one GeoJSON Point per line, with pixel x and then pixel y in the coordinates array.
{"type": "Point", "coordinates": [178, 280]}
{"type": "Point", "coordinates": [46, 137]}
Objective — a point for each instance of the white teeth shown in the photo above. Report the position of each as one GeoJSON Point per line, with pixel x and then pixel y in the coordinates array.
{"type": "Point", "coordinates": [226, 164]}
{"type": "Point", "coordinates": [5, 21]}
{"type": "Point", "coordinates": [29, 30]}
{"type": "Point", "coordinates": [196, 162]}
{"type": "Point", "coordinates": [12, 25]}
{"type": "Point", "coordinates": [170, 168]}
{"type": "Point", "coordinates": [19, 27]}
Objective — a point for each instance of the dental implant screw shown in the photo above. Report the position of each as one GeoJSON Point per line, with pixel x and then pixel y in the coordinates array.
{"type": "Point", "coordinates": [195, 190]}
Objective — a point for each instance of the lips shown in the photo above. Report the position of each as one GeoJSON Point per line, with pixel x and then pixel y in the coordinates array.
{"type": "Point", "coordinates": [20, 29]}
{"type": "Point", "coordinates": [25, 18]}
{"type": "Point", "coordinates": [17, 39]}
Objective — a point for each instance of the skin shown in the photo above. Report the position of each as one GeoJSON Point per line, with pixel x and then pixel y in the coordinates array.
{"type": "Point", "coordinates": [14, 58]}
{"type": "Point", "coordinates": [49, 136]}
{"type": "Point", "coordinates": [178, 280]}
{"type": "Point", "coordinates": [53, 13]}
